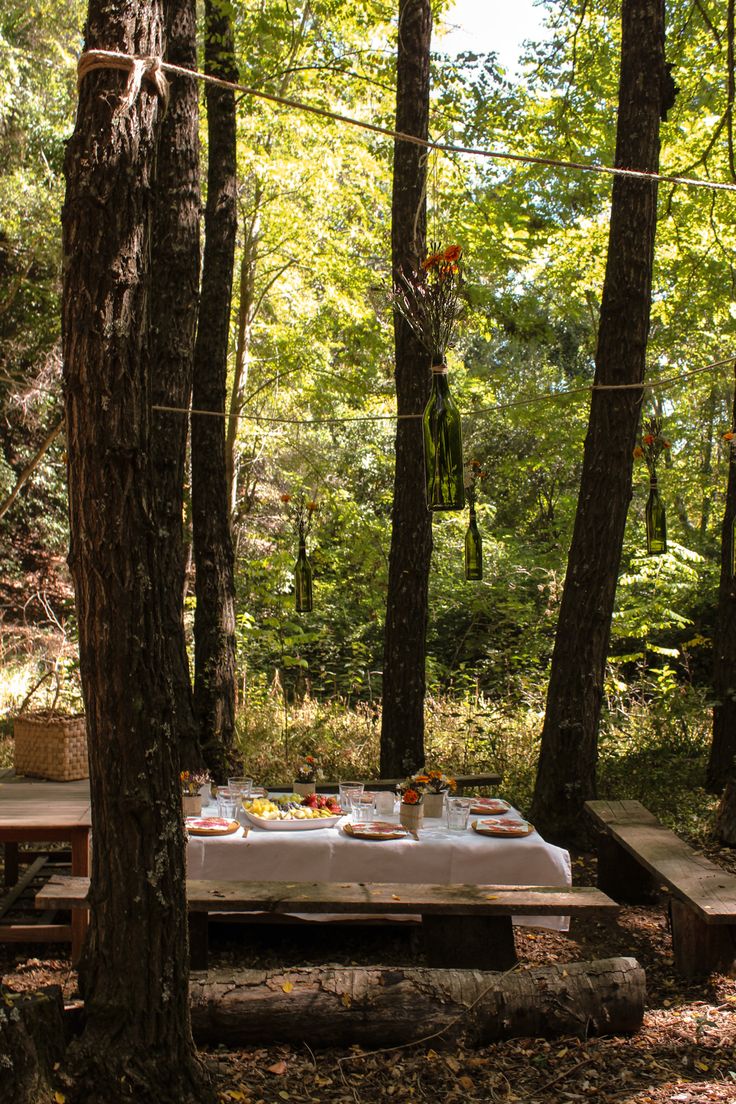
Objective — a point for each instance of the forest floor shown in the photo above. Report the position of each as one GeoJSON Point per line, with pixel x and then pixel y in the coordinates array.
{"type": "Point", "coordinates": [685, 1051]}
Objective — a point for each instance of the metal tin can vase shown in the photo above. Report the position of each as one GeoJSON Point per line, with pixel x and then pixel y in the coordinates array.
{"type": "Point", "coordinates": [305, 788]}
{"type": "Point", "coordinates": [191, 804]}
{"type": "Point", "coordinates": [433, 804]}
{"type": "Point", "coordinates": [411, 816]}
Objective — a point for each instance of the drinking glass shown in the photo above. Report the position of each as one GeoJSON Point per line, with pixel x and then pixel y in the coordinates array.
{"type": "Point", "coordinates": [384, 802]}
{"type": "Point", "coordinates": [346, 791]}
{"type": "Point", "coordinates": [242, 785]}
{"type": "Point", "coordinates": [363, 807]}
{"type": "Point", "coordinates": [457, 812]}
{"type": "Point", "coordinates": [227, 806]}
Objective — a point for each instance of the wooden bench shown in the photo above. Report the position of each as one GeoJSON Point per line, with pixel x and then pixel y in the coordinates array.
{"type": "Point", "coordinates": [463, 782]}
{"type": "Point", "coordinates": [637, 856]}
{"type": "Point", "coordinates": [463, 926]}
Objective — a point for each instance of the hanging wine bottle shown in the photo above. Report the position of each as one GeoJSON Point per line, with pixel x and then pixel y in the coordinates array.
{"type": "Point", "coordinates": [443, 446]}
{"type": "Point", "coordinates": [303, 580]}
{"type": "Point", "coordinates": [656, 521]}
{"type": "Point", "coordinates": [473, 549]}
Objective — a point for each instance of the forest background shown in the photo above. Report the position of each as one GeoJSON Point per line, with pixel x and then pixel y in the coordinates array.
{"type": "Point", "coordinates": [312, 384]}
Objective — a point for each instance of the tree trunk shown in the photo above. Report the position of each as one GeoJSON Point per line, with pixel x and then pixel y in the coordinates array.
{"type": "Point", "coordinates": [214, 620]}
{"type": "Point", "coordinates": [394, 1006]}
{"type": "Point", "coordinates": [726, 816]}
{"type": "Point", "coordinates": [31, 1043]}
{"type": "Point", "coordinates": [174, 301]}
{"type": "Point", "coordinates": [722, 761]}
{"type": "Point", "coordinates": [137, 1040]}
{"type": "Point", "coordinates": [246, 308]}
{"type": "Point", "coordinates": [566, 776]}
{"type": "Point", "coordinates": [402, 727]}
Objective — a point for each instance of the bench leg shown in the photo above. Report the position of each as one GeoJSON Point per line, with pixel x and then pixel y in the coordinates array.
{"type": "Point", "coordinates": [198, 940]}
{"type": "Point", "coordinates": [700, 948]}
{"type": "Point", "coordinates": [11, 863]}
{"type": "Point", "coordinates": [469, 942]}
{"type": "Point", "coordinates": [621, 876]}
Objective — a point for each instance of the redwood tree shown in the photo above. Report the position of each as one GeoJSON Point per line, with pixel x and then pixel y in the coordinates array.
{"type": "Point", "coordinates": [402, 731]}
{"type": "Point", "coordinates": [137, 1041]}
{"type": "Point", "coordinates": [566, 775]}
{"type": "Point", "coordinates": [174, 300]}
{"type": "Point", "coordinates": [214, 619]}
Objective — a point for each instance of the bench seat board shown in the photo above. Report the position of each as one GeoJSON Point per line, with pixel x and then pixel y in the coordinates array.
{"type": "Point", "coordinates": [354, 897]}
{"type": "Point", "coordinates": [707, 888]}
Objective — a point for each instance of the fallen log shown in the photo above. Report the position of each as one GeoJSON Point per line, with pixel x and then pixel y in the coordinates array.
{"type": "Point", "coordinates": [31, 1043]}
{"type": "Point", "coordinates": [378, 1006]}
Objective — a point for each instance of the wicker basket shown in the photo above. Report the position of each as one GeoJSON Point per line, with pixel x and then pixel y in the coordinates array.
{"type": "Point", "coordinates": [51, 745]}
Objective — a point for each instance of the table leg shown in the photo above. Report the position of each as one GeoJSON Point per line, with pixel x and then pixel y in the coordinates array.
{"type": "Point", "coordinates": [80, 868]}
{"type": "Point", "coordinates": [469, 942]}
{"type": "Point", "coordinates": [11, 863]}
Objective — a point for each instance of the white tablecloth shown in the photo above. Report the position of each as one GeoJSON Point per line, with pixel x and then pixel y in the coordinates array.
{"type": "Point", "coordinates": [328, 855]}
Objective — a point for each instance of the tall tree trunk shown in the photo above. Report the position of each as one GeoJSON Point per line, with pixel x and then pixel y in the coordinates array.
{"type": "Point", "coordinates": [214, 619]}
{"type": "Point", "coordinates": [246, 315]}
{"type": "Point", "coordinates": [402, 729]}
{"type": "Point", "coordinates": [722, 761]}
{"type": "Point", "coordinates": [174, 301]}
{"type": "Point", "coordinates": [137, 1040]}
{"type": "Point", "coordinates": [566, 775]}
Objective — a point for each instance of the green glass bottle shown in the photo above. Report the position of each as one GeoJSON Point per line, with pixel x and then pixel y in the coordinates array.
{"type": "Point", "coordinates": [443, 446]}
{"type": "Point", "coordinates": [656, 521]}
{"type": "Point", "coordinates": [303, 580]}
{"type": "Point", "coordinates": [473, 549]}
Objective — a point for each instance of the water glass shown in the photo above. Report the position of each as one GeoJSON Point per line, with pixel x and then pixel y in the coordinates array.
{"type": "Point", "coordinates": [228, 806]}
{"type": "Point", "coordinates": [384, 803]}
{"type": "Point", "coordinates": [363, 807]}
{"type": "Point", "coordinates": [346, 791]}
{"type": "Point", "coordinates": [457, 813]}
{"type": "Point", "coordinates": [242, 785]}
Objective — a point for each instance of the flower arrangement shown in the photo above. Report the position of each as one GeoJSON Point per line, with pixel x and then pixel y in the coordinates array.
{"type": "Point", "coordinates": [301, 511]}
{"type": "Point", "coordinates": [430, 300]}
{"type": "Point", "coordinates": [652, 444]}
{"type": "Point", "coordinates": [474, 475]}
{"type": "Point", "coordinates": [307, 770]}
{"type": "Point", "coordinates": [191, 782]}
{"type": "Point", "coordinates": [410, 796]}
{"type": "Point", "coordinates": [434, 782]}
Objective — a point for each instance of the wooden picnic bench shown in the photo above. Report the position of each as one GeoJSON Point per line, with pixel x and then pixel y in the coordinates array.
{"type": "Point", "coordinates": [637, 856]}
{"type": "Point", "coordinates": [463, 926]}
{"type": "Point", "coordinates": [463, 782]}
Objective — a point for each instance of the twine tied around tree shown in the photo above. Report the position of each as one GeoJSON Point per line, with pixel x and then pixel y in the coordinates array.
{"type": "Point", "coordinates": [138, 68]}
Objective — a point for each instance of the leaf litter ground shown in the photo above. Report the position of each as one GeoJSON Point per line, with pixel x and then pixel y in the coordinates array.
{"type": "Point", "coordinates": [685, 1052]}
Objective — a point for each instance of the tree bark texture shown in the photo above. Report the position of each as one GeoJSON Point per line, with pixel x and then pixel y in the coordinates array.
{"type": "Point", "coordinates": [566, 775]}
{"type": "Point", "coordinates": [722, 760]}
{"type": "Point", "coordinates": [402, 728]}
{"type": "Point", "coordinates": [31, 1043]}
{"type": "Point", "coordinates": [137, 1040]}
{"type": "Point", "coordinates": [214, 620]}
{"type": "Point", "coordinates": [174, 302]}
{"type": "Point", "coordinates": [726, 816]}
{"type": "Point", "coordinates": [394, 1006]}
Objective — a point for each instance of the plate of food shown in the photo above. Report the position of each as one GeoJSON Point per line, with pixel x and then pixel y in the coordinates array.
{"type": "Point", "coordinates": [292, 814]}
{"type": "Point", "coordinates": [375, 830]}
{"type": "Point", "coordinates": [210, 826]}
{"type": "Point", "coordinates": [491, 806]}
{"type": "Point", "coordinates": [506, 827]}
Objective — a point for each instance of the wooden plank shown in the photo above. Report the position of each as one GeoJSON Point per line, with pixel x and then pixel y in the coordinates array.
{"type": "Point", "coordinates": [35, 933]}
{"type": "Point", "coordinates": [695, 879]}
{"type": "Point", "coordinates": [14, 893]}
{"type": "Point", "coordinates": [354, 897]}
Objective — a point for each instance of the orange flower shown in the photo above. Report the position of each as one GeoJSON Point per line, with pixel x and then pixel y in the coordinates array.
{"type": "Point", "coordinates": [452, 254]}
{"type": "Point", "coordinates": [648, 439]}
{"type": "Point", "coordinates": [729, 436]}
{"type": "Point", "coordinates": [638, 452]}
{"type": "Point", "coordinates": [411, 797]}
{"type": "Point", "coordinates": [311, 506]}
{"type": "Point", "coordinates": [286, 498]}
{"type": "Point", "coordinates": [431, 261]}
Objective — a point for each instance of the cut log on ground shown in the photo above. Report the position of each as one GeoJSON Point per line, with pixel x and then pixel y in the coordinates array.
{"type": "Point", "coordinates": [31, 1042]}
{"type": "Point", "coordinates": [331, 1006]}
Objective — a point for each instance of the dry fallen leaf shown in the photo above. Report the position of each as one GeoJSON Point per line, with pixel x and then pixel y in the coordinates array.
{"type": "Point", "coordinates": [288, 986]}
{"type": "Point", "coordinates": [278, 1067]}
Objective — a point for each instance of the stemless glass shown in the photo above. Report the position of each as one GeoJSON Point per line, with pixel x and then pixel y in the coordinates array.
{"type": "Point", "coordinates": [363, 807]}
{"type": "Point", "coordinates": [241, 785]}
{"type": "Point", "coordinates": [458, 811]}
{"type": "Point", "coordinates": [346, 791]}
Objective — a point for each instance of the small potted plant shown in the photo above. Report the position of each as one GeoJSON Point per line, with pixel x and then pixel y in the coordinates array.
{"type": "Point", "coordinates": [411, 810]}
{"type": "Point", "coordinates": [191, 797]}
{"type": "Point", "coordinates": [434, 785]}
{"type": "Point", "coordinates": [305, 781]}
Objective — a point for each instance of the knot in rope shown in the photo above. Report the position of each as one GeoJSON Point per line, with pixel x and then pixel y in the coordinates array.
{"type": "Point", "coordinates": [138, 69]}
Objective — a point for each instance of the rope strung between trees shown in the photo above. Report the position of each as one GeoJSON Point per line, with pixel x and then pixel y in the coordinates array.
{"type": "Point", "coordinates": [549, 396]}
{"type": "Point", "coordinates": [138, 69]}
{"type": "Point", "coordinates": [153, 67]}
